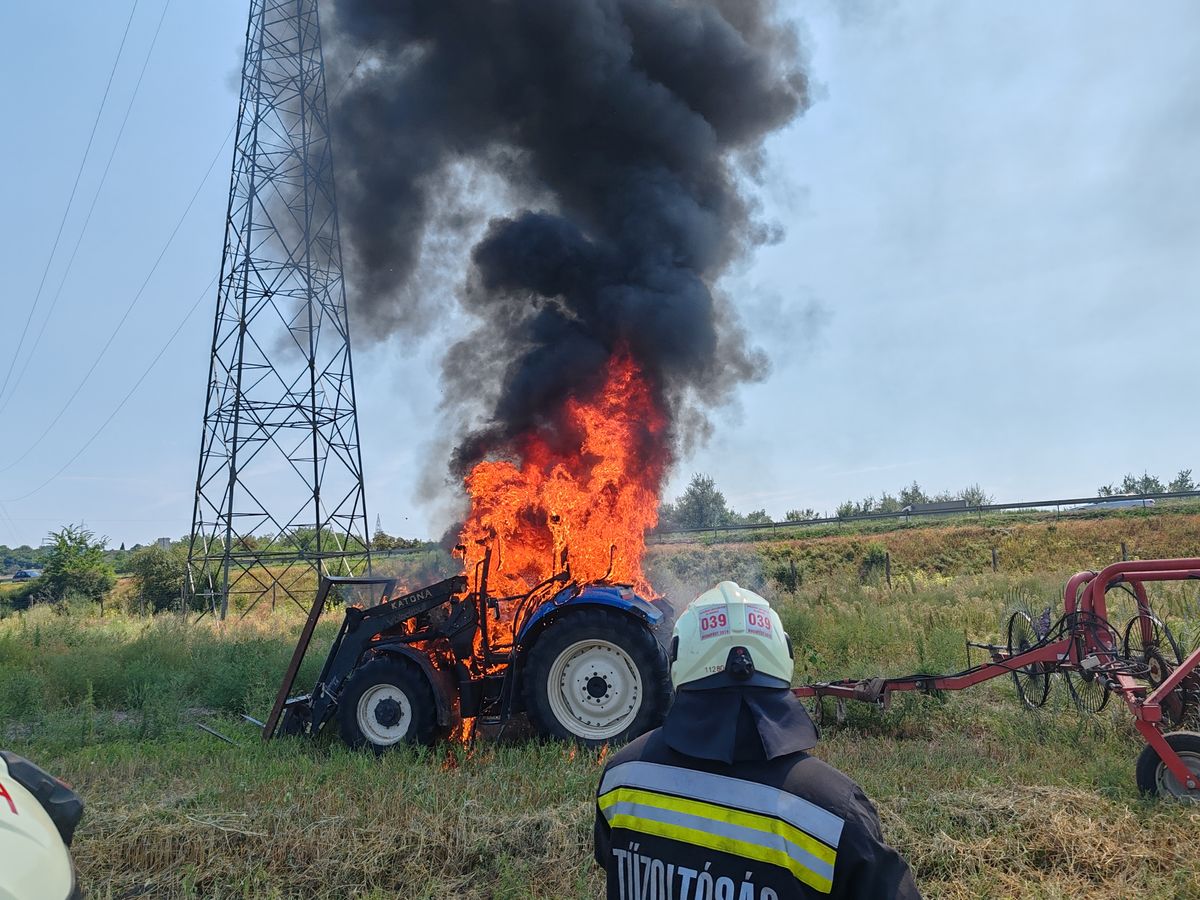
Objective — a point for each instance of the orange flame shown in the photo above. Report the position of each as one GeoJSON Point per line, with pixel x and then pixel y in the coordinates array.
{"type": "Point", "coordinates": [595, 497]}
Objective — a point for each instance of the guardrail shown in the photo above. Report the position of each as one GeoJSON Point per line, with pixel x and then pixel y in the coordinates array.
{"type": "Point", "coordinates": [1110, 504]}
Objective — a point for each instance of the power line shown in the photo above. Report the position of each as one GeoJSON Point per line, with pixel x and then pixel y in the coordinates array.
{"type": "Point", "coordinates": [95, 434]}
{"type": "Point", "coordinates": [128, 309]}
{"type": "Point", "coordinates": [163, 350]}
{"type": "Point", "coordinates": [88, 218]}
{"type": "Point", "coordinates": [37, 297]}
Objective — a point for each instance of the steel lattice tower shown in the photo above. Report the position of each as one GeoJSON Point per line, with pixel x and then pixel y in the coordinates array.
{"type": "Point", "coordinates": [279, 488]}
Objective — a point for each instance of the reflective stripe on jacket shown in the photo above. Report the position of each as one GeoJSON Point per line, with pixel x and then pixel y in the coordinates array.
{"type": "Point", "coordinates": [672, 827]}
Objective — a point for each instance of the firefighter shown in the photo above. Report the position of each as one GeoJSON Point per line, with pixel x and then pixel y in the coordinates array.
{"type": "Point", "coordinates": [724, 802]}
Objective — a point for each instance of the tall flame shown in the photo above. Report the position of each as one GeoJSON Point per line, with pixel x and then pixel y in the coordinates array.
{"type": "Point", "coordinates": [590, 489]}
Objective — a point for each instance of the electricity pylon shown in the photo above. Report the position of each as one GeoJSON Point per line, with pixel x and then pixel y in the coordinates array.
{"type": "Point", "coordinates": [279, 487]}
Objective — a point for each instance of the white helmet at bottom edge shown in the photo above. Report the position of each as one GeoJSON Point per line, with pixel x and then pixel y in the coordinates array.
{"type": "Point", "coordinates": [38, 815]}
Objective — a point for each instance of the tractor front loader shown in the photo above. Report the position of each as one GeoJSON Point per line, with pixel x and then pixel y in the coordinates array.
{"type": "Point", "coordinates": [585, 661]}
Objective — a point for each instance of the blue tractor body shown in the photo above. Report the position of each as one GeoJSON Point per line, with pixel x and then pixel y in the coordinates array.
{"type": "Point", "coordinates": [612, 596]}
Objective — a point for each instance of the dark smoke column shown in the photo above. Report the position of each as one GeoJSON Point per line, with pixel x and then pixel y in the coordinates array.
{"type": "Point", "coordinates": [627, 127]}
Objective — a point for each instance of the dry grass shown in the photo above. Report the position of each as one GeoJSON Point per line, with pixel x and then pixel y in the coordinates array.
{"type": "Point", "coordinates": [1044, 842]}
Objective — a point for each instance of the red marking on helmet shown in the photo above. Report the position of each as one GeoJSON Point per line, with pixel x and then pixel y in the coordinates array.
{"type": "Point", "coordinates": [5, 795]}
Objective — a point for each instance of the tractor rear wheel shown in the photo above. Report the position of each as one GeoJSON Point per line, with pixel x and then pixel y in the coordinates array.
{"type": "Point", "coordinates": [1154, 778]}
{"type": "Point", "coordinates": [387, 702]}
{"type": "Point", "coordinates": [596, 677]}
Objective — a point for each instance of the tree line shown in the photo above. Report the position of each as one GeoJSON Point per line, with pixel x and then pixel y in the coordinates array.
{"type": "Point", "coordinates": [703, 505]}
{"type": "Point", "coordinates": [1148, 484]}
{"type": "Point", "coordinates": [78, 566]}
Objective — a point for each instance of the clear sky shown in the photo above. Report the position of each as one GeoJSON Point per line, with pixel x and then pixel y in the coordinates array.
{"type": "Point", "coordinates": [989, 273]}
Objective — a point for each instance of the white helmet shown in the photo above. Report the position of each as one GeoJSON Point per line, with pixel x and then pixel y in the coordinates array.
{"type": "Point", "coordinates": [729, 636]}
{"type": "Point", "coordinates": [38, 815]}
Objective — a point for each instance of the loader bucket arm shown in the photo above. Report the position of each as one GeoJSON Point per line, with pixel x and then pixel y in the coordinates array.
{"type": "Point", "coordinates": [289, 676]}
{"type": "Point", "coordinates": [359, 628]}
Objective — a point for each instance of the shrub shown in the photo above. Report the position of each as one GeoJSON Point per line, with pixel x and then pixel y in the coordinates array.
{"type": "Point", "coordinates": [75, 564]}
{"type": "Point", "coordinates": [158, 577]}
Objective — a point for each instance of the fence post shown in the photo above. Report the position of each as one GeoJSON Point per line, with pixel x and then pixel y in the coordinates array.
{"type": "Point", "coordinates": [887, 567]}
{"type": "Point", "coordinates": [1124, 552]}
{"type": "Point", "coordinates": [995, 561]}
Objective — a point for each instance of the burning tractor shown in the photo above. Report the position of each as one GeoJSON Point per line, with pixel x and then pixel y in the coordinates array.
{"type": "Point", "coordinates": [585, 661]}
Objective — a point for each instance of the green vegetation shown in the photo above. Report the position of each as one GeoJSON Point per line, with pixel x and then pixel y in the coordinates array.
{"type": "Point", "coordinates": [1148, 484]}
{"type": "Point", "coordinates": [158, 576]}
{"type": "Point", "coordinates": [75, 567]}
{"type": "Point", "coordinates": [703, 505]}
{"type": "Point", "coordinates": [985, 798]}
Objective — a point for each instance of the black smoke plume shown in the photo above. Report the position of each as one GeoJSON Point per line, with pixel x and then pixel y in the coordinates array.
{"type": "Point", "coordinates": [627, 130]}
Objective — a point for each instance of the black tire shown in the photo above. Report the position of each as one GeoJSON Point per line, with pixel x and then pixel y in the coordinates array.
{"type": "Point", "coordinates": [387, 702]}
{"type": "Point", "coordinates": [1155, 779]}
{"type": "Point", "coordinates": [596, 677]}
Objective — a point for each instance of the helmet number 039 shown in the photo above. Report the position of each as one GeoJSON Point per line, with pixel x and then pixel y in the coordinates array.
{"type": "Point", "coordinates": [758, 622]}
{"type": "Point", "coordinates": [714, 622]}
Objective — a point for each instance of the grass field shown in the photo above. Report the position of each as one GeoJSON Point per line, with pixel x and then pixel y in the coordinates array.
{"type": "Point", "coordinates": [984, 798]}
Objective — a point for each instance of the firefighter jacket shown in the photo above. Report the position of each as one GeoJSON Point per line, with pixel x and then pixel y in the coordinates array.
{"type": "Point", "coordinates": [758, 826]}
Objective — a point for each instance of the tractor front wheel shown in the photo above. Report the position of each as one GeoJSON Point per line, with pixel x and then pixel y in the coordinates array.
{"type": "Point", "coordinates": [387, 702]}
{"type": "Point", "coordinates": [596, 677]}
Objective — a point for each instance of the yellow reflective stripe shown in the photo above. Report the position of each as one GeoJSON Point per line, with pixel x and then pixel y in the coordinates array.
{"type": "Point", "coordinates": [725, 845]}
{"type": "Point", "coordinates": [762, 823]}
{"type": "Point", "coordinates": [727, 791]}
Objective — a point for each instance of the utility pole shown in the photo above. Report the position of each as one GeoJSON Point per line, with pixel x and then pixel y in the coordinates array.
{"type": "Point", "coordinates": [279, 485]}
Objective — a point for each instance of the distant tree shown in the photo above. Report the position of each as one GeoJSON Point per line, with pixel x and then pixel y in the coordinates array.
{"type": "Point", "coordinates": [912, 495]}
{"type": "Point", "coordinates": [888, 503]}
{"type": "Point", "coordinates": [1149, 484]}
{"type": "Point", "coordinates": [976, 495]}
{"type": "Point", "coordinates": [1105, 490]}
{"type": "Point", "coordinates": [701, 505]}
{"type": "Point", "coordinates": [847, 509]}
{"type": "Point", "coordinates": [668, 516]}
{"type": "Point", "coordinates": [381, 540]}
{"type": "Point", "coordinates": [75, 564]}
{"type": "Point", "coordinates": [758, 517]}
{"type": "Point", "coordinates": [1129, 484]}
{"type": "Point", "coordinates": [1182, 481]}
{"type": "Point", "coordinates": [800, 515]}
{"type": "Point", "coordinates": [158, 575]}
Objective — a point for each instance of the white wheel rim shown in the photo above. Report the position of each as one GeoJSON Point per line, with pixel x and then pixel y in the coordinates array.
{"type": "Point", "coordinates": [594, 689]}
{"type": "Point", "coordinates": [1168, 784]}
{"type": "Point", "coordinates": [368, 708]}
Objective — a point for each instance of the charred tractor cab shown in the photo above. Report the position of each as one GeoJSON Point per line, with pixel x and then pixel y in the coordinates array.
{"type": "Point", "coordinates": [585, 662]}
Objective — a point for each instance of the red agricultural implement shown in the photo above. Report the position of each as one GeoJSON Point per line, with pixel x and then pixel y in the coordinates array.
{"type": "Point", "coordinates": [1138, 661]}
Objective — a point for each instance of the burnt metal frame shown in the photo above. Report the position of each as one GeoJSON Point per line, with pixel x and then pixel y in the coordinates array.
{"type": "Point", "coordinates": [281, 381]}
{"type": "Point", "coordinates": [1083, 599]}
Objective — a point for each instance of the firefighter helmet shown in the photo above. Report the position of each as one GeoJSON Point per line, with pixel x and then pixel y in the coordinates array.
{"type": "Point", "coordinates": [729, 637]}
{"type": "Point", "coordinates": [38, 815]}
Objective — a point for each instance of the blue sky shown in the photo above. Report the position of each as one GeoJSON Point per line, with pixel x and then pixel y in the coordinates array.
{"type": "Point", "coordinates": [989, 271]}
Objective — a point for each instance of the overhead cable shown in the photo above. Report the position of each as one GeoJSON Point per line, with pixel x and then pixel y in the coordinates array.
{"type": "Point", "coordinates": [125, 316]}
{"type": "Point", "coordinates": [78, 174]}
{"type": "Point", "coordinates": [4, 401]}
{"type": "Point", "coordinates": [95, 434]}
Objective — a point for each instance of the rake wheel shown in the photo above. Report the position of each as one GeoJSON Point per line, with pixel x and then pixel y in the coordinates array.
{"type": "Point", "coordinates": [1032, 681]}
{"type": "Point", "coordinates": [1089, 692]}
{"type": "Point", "coordinates": [1158, 656]}
{"type": "Point", "coordinates": [1160, 653]}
